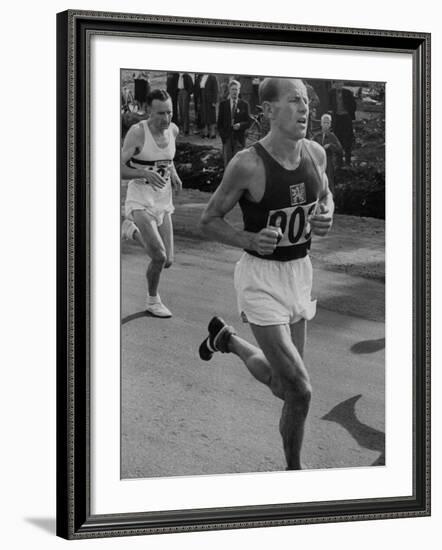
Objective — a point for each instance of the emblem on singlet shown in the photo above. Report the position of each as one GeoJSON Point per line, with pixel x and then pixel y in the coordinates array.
{"type": "Point", "coordinates": [297, 194]}
{"type": "Point", "coordinates": [162, 167]}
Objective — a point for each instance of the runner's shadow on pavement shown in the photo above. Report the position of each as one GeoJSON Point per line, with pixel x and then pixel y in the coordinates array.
{"type": "Point", "coordinates": [344, 414]}
{"type": "Point", "coordinates": [368, 346]}
{"type": "Point", "coordinates": [138, 315]}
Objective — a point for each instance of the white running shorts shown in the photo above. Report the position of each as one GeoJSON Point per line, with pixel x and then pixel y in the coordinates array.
{"type": "Point", "coordinates": [141, 196]}
{"type": "Point", "coordinates": [274, 293]}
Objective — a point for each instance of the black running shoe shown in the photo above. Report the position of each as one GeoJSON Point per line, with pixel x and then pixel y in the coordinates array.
{"type": "Point", "coordinates": [219, 334]}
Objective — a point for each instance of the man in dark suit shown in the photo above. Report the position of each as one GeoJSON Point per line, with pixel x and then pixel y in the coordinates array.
{"type": "Point", "coordinates": [233, 121]}
{"type": "Point", "coordinates": [180, 88]}
{"type": "Point", "coordinates": [208, 93]}
{"type": "Point", "coordinates": [141, 89]}
{"type": "Point", "coordinates": [343, 106]}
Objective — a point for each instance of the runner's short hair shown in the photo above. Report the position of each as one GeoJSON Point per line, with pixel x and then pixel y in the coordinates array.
{"type": "Point", "coordinates": [270, 88]}
{"type": "Point", "coordinates": [162, 95]}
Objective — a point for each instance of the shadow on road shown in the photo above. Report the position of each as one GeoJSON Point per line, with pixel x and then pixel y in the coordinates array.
{"type": "Point", "coordinates": [139, 315]}
{"type": "Point", "coordinates": [368, 346]}
{"type": "Point", "coordinates": [353, 296]}
{"type": "Point", "coordinates": [344, 414]}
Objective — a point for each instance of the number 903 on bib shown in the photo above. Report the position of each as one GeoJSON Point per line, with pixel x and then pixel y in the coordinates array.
{"type": "Point", "coordinates": [294, 223]}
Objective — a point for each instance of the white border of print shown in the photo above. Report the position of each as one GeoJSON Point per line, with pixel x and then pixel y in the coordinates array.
{"type": "Point", "coordinates": [109, 493]}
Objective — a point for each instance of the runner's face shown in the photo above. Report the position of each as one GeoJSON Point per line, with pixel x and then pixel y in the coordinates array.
{"type": "Point", "coordinates": [291, 110]}
{"type": "Point", "coordinates": [161, 114]}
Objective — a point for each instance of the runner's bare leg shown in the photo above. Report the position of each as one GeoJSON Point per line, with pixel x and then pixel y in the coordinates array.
{"type": "Point", "coordinates": [154, 246]}
{"type": "Point", "coordinates": [166, 232]}
{"type": "Point", "coordinates": [289, 370]}
{"type": "Point", "coordinates": [256, 362]}
{"type": "Point", "coordinates": [252, 357]}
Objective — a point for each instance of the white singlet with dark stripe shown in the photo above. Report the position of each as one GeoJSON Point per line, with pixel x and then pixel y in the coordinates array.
{"type": "Point", "coordinates": [142, 196]}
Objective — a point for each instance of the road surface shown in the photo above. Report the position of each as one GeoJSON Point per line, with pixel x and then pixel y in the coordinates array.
{"type": "Point", "coordinates": [183, 416]}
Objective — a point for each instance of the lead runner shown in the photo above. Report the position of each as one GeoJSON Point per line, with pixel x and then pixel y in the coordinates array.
{"type": "Point", "coordinates": [281, 186]}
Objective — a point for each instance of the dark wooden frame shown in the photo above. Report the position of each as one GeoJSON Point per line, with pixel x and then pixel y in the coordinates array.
{"type": "Point", "coordinates": [74, 519]}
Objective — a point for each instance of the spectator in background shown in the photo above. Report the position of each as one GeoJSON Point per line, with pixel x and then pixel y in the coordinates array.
{"type": "Point", "coordinates": [332, 146]}
{"type": "Point", "coordinates": [247, 91]}
{"type": "Point", "coordinates": [197, 101]}
{"type": "Point", "coordinates": [172, 90]}
{"type": "Point", "coordinates": [208, 93]}
{"type": "Point", "coordinates": [141, 89]}
{"type": "Point", "coordinates": [180, 89]}
{"type": "Point", "coordinates": [127, 99]}
{"type": "Point", "coordinates": [343, 107]}
{"type": "Point", "coordinates": [223, 84]}
{"type": "Point", "coordinates": [255, 101]}
{"type": "Point", "coordinates": [233, 120]}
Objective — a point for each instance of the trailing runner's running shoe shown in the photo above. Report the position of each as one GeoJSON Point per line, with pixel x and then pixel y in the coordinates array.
{"type": "Point", "coordinates": [158, 309]}
{"type": "Point", "coordinates": [219, 334]}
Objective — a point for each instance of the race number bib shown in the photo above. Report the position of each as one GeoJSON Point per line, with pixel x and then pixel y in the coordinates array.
{"type": "Point", "coordinates": [294, 222]}
{"type": "Point", "coordinates": [161, 167]}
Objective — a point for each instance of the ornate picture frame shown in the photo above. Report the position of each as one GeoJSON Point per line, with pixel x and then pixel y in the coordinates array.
{"type": "Point", "coordinates": [76, 518]}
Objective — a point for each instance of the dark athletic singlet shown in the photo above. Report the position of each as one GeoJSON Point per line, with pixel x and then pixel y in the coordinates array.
{"type": "Point", "coordinates": [290, 197]}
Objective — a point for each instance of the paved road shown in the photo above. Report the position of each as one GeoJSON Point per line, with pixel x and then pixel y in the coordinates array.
{"type": "Point", "coordinates": [182, 416]}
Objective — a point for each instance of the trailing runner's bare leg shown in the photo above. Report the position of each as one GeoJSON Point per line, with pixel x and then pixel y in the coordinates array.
{"type": "Point", "coordinates": [158, 253]}
{"type": "Point", "coordinates": [166, 232]}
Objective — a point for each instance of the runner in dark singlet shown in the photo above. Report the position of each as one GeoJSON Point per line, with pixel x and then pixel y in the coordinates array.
{"type": "Point", "coordinates": [282, 189]}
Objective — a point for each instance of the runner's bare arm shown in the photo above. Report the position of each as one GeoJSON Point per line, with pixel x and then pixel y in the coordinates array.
{"type": "Point", "coordinates": [322, 220]}
{"type": "Point", "coordinates": [239, 177]}
{"type": "Point", "coordinates": [175, 130]}
{"type": "Point", "coordinates": [177, 184]}
{"type": "Point", "coordinates": [325, 197]}
{"type": "Point", "coordinates": [133, 143]}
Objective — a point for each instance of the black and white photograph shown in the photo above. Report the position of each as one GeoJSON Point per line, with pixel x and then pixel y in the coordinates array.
{"type": "Point", "coordinates": [252, 273]}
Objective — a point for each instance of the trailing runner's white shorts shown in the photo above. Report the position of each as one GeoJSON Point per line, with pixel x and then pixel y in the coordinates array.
{"type": "Point", "coordinates": [274, 293]}
{"type": "Point", "coordinates": [156, 202]}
